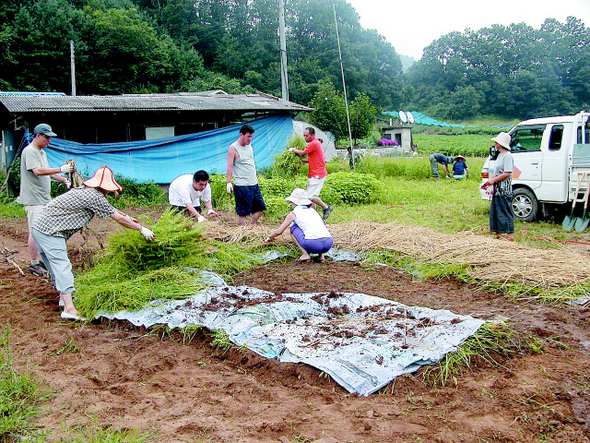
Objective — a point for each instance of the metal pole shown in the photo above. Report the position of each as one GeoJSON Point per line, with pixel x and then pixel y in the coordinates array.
{"type": "Point", "coordinates": [283, 44]}
{"type": "Point", "coordinates": [73, 67]}
{"type": "Point", "coordinates": [344, 87]}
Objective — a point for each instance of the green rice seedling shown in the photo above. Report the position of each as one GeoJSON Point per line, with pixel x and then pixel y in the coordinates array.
{"type": "Point", "coordinates": [491, 340]}
{"type": "Point", "coordinates": [20, 396]}
{"type": "Point", "coordinates": [95, 433]}
{"type": "Point", "coordinates": [287, 163]}
{"type": "Point", "coordinates": [221, 340]}
{"type": "Point", "coordinates": [189, 333]}
{"type": "Point", "coordinates": [99, 291]}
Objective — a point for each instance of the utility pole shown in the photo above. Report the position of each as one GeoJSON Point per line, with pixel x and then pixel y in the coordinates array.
{"type": "Point", "coordinates": [73, 67]}
{"type": "Point", "coordinates": [344, 88]}
{"type": "Point", "coordinates": [283, 43]}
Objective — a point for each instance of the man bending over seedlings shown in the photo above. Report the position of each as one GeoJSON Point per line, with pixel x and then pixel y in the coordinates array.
{"type": "Point", "coordinates": [187, 190]}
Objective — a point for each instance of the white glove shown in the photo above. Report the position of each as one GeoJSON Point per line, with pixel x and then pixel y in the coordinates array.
{"type": "Point", "coordinates": [65, 168]}
{"type": "Point", "coordinates": [229, 188]}
{"type": "Point", "coordinates": [148, 234]}
{"type": "Point", "coordinates": [212, 212]}
{"type": "Point", "coordinates": [267, 240]}
{"type": "Point", "coordinates": [68, 184]}
{"type": "Point", "coordinates": [200, 219]}
{"type": "Point", "coordinates": [291, 149]}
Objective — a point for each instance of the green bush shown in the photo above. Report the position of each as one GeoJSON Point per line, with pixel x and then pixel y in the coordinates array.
{"type": "Point", "coordinates": [351, 188]}
{"type": "Point", "coordinates": [137, 193]}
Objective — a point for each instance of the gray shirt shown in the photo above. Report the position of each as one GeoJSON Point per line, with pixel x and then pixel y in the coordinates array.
{"type": "Point", "coordinates": [504, 163]}
{"type": "Point", "coordinates": [244, 171]}
{"type": "Point", "coordinates": [34, 190]}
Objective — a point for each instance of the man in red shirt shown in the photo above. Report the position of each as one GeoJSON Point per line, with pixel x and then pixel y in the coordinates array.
{"type": "Point", "coordinates": [317, 169]}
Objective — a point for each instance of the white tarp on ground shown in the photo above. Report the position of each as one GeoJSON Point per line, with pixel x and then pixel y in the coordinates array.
{"type": "Point", "coordinates": [363, 342]}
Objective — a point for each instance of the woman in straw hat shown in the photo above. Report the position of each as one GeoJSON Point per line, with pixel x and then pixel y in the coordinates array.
{"type": "Point", "coordinates": [460, 168]}
{"type": "Point", "coordinates": [66, 215]}
{"type": "Point", "coordinates": [500, 186]}
{"type": "Point", "coordinates": [307, 227]}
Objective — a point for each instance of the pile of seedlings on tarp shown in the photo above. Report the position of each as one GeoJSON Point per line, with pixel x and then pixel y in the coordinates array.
{"type": "Point", "coordinates": [132, 272]}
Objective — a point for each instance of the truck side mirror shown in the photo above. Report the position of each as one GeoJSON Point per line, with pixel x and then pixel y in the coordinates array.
{"type": "Point", "coordinates": [494, 152]}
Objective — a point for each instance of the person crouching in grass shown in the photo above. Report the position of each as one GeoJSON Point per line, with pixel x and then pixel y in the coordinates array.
{"type": "Point", "coordinates": [307, 227]}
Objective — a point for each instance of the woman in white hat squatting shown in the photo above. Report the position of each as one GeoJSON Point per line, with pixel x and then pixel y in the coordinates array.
{"type": "Point", "coordinates": [307, 227]}
{"type": "Point", "coordinates": [500, 186]}
{"type": "Point", "coordinates": [65, 215]}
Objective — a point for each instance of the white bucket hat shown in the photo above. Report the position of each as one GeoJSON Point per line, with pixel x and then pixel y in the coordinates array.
{"type": "Point", "coordinates": [299, 197]}
{"type": "Point", "coordinates": [104, 178]}
{"type": "Point", "coordinates": [503, 139]}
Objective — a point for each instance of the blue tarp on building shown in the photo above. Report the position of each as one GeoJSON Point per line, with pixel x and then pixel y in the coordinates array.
{"type": "Point", "coordinates": [165, 159]}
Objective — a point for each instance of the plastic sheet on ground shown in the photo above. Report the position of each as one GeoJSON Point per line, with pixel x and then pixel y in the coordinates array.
{"type": "Point", "coordinates": [363, 342]}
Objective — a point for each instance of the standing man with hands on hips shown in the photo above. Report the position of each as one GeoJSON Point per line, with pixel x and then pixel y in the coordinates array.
{"type": "Point", "coordinates": [35, 185]}
{"type": "Point", "coordinates": [240, 165]}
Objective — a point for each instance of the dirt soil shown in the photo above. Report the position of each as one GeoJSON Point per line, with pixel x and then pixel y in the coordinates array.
{"type": "Point", "coordinates": [127, 377]}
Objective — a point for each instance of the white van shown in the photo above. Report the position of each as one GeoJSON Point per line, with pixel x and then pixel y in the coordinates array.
{"type": "Point", "coordinates": [548, 154]}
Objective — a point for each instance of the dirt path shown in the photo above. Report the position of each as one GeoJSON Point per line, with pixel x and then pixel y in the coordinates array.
{"type": "Point", "coordinates": [127, 377]}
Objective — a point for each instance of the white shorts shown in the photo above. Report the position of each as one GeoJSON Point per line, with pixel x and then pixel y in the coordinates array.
{"type": "Point", "coordinates": [32, 212]}
{"type": "Point", "coordinates": [314, 186]}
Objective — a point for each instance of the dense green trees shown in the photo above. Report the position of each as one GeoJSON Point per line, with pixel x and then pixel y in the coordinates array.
{"type": "Point", "coordinates": [513, 71]}
{"type": "Point", "coordinates": [130, 46]}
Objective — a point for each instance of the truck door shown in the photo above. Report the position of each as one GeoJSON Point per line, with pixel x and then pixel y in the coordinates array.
{"type": "Point", "coordinates": [526, 150]}
{"type": "Point", "coordinates": [554, 187]}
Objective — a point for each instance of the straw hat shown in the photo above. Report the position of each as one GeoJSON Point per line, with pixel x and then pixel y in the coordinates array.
{"type": "Point", "coordinates": [459, 157]}
{"type": "Point", "coordinates": [503, 139]}
{"type": "Point", "coordinates": [104, 178]}
{"type": "Point", "coordinates": [299, 197]}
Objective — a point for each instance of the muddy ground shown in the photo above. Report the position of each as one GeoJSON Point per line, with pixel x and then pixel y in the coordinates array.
{"type": "Point", "coordinates": [118, 375]}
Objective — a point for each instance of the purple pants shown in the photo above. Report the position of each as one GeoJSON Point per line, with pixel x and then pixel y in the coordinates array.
{"type": "Point", "coordinates": [313, 246]}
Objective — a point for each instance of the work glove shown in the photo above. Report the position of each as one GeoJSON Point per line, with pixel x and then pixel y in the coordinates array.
{"type": "Point", "coordinates": [200, 219]}
{"type": "Point", "coordinates": [291, 149]}
{"type": "Point", "coordinates": [267, 240]}
{"type": "Point", "coordinates": [68, 184]}
{"type": "Point", "coordinates": [148, 234]}
{"type": "Point", "coordinates": [212, 212]}
{"type": "Point", "coordinates": [65, 168]}
{"type": "Point", "coordinates": [229, 188]}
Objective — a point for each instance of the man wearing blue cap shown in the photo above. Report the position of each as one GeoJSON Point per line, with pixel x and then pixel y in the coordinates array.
{"type": "Point", "coordinates": [435, 159]}
{"type": "Point", "coordinates": [35, 185]}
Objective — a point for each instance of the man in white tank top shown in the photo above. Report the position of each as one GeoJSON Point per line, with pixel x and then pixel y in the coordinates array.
{"type": "Point", "coordinates": [240, 165]}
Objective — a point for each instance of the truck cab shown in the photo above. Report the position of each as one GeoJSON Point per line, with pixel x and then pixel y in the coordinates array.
{"type": "Point", "coordinates": [545, 165]}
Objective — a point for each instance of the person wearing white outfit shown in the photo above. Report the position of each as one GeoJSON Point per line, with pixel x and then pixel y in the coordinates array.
{"type": "Point", "coordinates": [307, 227]}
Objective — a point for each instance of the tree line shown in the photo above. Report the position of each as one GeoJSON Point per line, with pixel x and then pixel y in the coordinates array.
{"type": "Point", "coordinates": [149, 46]}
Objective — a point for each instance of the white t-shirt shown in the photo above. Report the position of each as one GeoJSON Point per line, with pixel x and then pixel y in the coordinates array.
{"type": "Point", "coordinates": [181, 192]}
{"type": "Point", "coordinates": [310, 223]}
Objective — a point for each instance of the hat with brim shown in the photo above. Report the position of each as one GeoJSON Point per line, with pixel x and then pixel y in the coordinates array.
{"type": "Point", "coordinates": [503, 139]}
{"type": "Point", "coordinates": [299, 197]}
{"type": "Point", "coordinates": [104, 178]}
{"type": "Point", "coordinates": [459, 157]}
{"type": "Point", "coordinates": [44, 129]}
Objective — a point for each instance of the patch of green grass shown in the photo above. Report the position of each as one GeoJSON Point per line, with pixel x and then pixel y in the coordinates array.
{"type": "Point", "coordinates": [96, 434]}
{"type": "Point", "coordinates": [489, 342]}
{"type": "Point", "coordinates": [469, 145]}
{"type": "Point", "coordinates": [20, 396]}
{"type": "Point", "coordinates": [9, 208]}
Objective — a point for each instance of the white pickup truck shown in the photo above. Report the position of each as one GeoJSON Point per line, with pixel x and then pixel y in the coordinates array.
{"type": "Point", "coordinates": [548, 154]}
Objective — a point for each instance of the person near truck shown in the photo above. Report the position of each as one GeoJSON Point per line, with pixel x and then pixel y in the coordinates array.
{"type": "Point", "coordinates": [437, 158]}
{"type": "Point", "coordinates": [499, 185]}
{"type": "Point", "coordinates": [317, 173]}
{"type": "Point", "coordinates": [35, 185]}
{"type": "Point", "coordinates": [460, 169]}
{"type": "Point", "coordinates": [186, 192]}
{"type": "Point", "coordinates": [65, 215]}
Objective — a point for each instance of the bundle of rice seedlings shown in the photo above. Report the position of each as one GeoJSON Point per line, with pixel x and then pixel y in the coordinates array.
{"type": "Point", "coordinates": [133, 272]}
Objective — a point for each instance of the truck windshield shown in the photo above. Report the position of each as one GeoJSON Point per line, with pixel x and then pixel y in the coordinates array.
{"type": "Point", "coordinates": [527, 138]}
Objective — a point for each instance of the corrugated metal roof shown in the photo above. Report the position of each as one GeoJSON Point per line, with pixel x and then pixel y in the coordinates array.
{"type": "Point", "coordinates": [185, 101]}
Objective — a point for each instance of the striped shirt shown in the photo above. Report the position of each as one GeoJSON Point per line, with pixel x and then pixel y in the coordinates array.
{"type": "Point", "coordinates": [67, 214]}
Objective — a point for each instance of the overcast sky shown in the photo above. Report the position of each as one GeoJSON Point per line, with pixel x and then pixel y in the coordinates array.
{"type": "Point", "coordinates": [411, 25]}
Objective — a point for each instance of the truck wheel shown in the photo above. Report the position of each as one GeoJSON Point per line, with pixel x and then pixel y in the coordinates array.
{"type": "Point", "coordinates": [525, 205]}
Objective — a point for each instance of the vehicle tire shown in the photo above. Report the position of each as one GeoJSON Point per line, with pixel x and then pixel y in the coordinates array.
{"type": "Point", "coordinates": [525, 205]}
